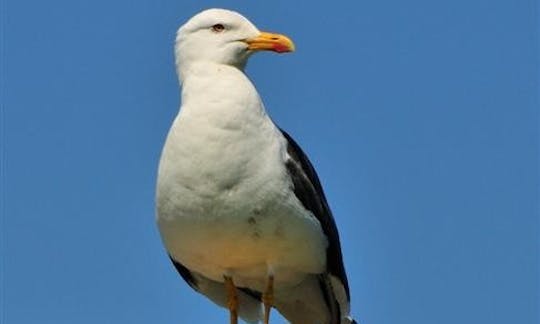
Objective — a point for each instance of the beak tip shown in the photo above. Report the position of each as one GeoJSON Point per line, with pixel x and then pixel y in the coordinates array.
{"type": "Point", "coordinates": [293, 48]}
{"type": "Point", "coordinates": [271, 42]}
{"type": "Point", "coordinates": [284, 48]}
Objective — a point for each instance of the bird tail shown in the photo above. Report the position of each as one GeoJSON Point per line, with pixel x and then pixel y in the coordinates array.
{"type": "Point", "coordinates": [336, 299]}
{"type": "Point", "coordinates": [349, 320]}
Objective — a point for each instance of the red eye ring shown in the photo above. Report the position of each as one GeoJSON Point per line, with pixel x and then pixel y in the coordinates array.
{"type": "Point", "coordinates": [218, 28]}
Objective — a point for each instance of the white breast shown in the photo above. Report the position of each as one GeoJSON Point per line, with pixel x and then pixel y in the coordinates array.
{"type": "Point", "coordinates": [225, 204]}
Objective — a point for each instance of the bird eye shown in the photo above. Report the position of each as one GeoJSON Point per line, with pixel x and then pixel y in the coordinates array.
{"type": "Point", "coordinates": [218, 28]}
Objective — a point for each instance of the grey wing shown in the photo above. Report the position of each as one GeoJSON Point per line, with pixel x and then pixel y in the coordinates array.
{"type": "Point", "coordinates": [249, 308]}
{"type": "Point", "coordinates": [333, 284]}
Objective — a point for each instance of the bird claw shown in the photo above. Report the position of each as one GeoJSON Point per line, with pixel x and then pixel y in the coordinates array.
{"type": "Point", "coordinates": [268, 299]}
{"type": "Point", "coordinates": [232, 299]}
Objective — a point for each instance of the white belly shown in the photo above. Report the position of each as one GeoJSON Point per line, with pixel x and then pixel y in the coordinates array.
{"type": "Point", "coordinates": [246, 246]}
{"type": "Point", "coordinates": [223, 210]}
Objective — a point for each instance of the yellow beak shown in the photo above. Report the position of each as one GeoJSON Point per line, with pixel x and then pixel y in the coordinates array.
{"type": "Point", "coordinates": [270, 42]}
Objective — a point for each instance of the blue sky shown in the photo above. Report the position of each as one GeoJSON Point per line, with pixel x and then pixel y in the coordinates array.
{"type": "Point", "coordinates": [420, 116]}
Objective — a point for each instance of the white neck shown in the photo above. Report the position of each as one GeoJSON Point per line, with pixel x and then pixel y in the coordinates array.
{"type": "Point", "coordinates": [184, 69]}
{"type": "Point", "coordinates": [219, 91]}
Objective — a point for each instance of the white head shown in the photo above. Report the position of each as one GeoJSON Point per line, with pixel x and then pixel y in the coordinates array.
{"type": "Point", "coordinates": [223, 37]}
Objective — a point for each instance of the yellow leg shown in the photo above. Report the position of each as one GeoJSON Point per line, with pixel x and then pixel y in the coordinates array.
{"type": "Point", "coordinates": [268, 299]}
{"type": "Point", "coordinates": [232, 300]}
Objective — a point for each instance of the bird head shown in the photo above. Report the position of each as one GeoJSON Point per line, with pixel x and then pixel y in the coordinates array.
{"type": "Point", "coordinates": [224, 37]}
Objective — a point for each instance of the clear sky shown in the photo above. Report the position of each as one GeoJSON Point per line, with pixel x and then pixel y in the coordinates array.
{"type": "Point", "coordinates": [420, 116]}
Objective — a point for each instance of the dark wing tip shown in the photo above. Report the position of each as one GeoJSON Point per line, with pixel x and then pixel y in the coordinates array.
{"type": "Point", "coordinates": [309, 191]}
{"type": "Point", "coordinates": [184, 273]}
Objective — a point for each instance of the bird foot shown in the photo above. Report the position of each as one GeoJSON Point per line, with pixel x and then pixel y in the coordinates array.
{"type": "Point", "coordinates": [268, 299]}
{"type": "Point", "coordinates": [232, 299]}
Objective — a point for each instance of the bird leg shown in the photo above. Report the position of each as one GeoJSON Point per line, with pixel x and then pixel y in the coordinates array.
{"type": "Point", "coordinates": [268, 299]}
{"type": "Point", "coordinates": [232, 299]}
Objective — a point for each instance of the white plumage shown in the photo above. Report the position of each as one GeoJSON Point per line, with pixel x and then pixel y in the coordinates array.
{"type": "Point", "coordinates": [227, 202]}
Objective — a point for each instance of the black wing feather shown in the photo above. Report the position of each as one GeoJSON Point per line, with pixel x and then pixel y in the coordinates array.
{"type": "Point", "coordinates": [308, 190]}
{"type": "Point", "coordinates": [185, 273]}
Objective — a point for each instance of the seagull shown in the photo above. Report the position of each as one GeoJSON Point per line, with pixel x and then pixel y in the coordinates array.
{"type": "Point", "coordinates": [240, 209]}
